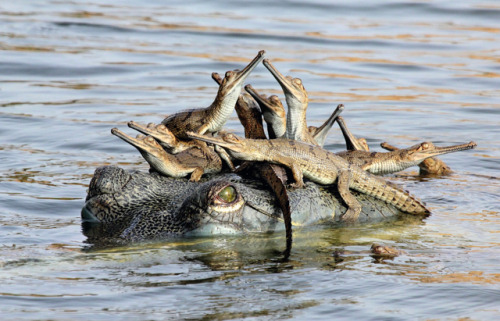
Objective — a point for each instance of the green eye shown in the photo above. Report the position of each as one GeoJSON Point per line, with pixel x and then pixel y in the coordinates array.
{"type": "Point", "coordinates": [228, 194]}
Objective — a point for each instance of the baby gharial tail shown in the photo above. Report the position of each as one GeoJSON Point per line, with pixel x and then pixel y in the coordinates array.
{"type": "Point", "coordinates": [387, 192]}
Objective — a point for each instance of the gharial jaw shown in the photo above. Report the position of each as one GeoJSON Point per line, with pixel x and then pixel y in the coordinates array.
{"type": "Point", "coordinates": [229, 91]}
{"type": "Point", "coordinates": [319, 134]}
{"type": "Point", "coordinates": [420, 152]}
{"type": "Point", "coordinates": [159, 132]}
{"type": "Point", "coordinates": [243, 149]}
{"type": "Point", "coordinates": [233, 80]}
{"type": "Point", "coordinates": [292, 87]}
{"type": "Point", "coordinates": [272, 104]}
{"type": "Point", "coordinates": [146, 144]}
{"type": "Point", "coordinates": [351, 142]}
{"type": "Point", "coordinates": [272, 110]}
{"type": "Point", "coordinates": [297, 101]}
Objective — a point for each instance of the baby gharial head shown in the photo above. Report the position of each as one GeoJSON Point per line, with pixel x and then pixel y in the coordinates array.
{"type": "Point", "coordinates": [422, 147]}
{"type": "Point", "coordinates": [238, 147]}
{"type": "Point", "coordinates": [167, 134]}
{"type": "Point", "coordinates": [234, 79]}
{"type": "Point", "coordinates": [297, 84]}
{"type": "Point", "coordinates": [425, 150]}
{"type": "Point", "coordinates": [151, 142]}
{"type": "Point", "coordinates": [231, 138]}
{"type": "Point", "coordinates": [292, 87]}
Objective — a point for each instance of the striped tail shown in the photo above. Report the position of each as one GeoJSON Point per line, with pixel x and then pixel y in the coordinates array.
{"type": "Point", "coordinates": [387, 192]}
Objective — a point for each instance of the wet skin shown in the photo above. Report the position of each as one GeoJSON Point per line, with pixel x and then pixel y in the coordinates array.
{"type": "Point", "coordinates": [123, 206]}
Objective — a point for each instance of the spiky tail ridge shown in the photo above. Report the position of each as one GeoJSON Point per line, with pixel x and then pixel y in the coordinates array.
{"type": "Point", "coordinates": [387, 192]}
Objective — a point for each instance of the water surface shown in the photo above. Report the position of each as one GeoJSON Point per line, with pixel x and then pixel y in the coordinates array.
{"type": "Point", "coordinates": [407, 71]}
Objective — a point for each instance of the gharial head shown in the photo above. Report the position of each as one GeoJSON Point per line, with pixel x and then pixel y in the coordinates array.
{"type": "Point", "coordinates": [424, 150]}
{"type": "Point", "coordinates": [159, 132]}
{"type": "Point", "coordinates": [269, 105]}
{"type": "Point", "coordinates": [145, 144]}
{"type": "Point", "coordinates": [233, 80]}
{"type": "Point", "coordinates": [124, 206]}
{"type": "Point", "coordinates": [292, 87]}
{"type": "Point", "coordinates": [238, 147]}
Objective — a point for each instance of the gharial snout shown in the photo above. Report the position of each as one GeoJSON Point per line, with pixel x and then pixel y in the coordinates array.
{"type": "Point", "coordinates": [107, 181]}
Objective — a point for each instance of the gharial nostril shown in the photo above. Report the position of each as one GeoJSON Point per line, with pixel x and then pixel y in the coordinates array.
{"type": "Point", "coordinates": [88, 216]}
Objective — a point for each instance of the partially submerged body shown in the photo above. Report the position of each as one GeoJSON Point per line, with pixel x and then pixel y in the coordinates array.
{"type": "Point", "coordinates": [384, 251]}
{"type": "Point", "coordinates": [124, 206]}
{"type": "Point", "coordinates": [423, 155]}
{"type": "Point", "coordinates": [400, 159]}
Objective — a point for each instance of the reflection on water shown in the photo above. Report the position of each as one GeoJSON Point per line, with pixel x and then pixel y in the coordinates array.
{"type": "Point", "coordinates": [406, 71]}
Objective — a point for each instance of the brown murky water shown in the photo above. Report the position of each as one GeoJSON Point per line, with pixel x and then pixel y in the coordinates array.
{"type": "Point", "coordinates": [407, 71]}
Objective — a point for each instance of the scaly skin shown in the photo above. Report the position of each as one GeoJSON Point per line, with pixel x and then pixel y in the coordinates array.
{"type": "Point", "coordinates": [248, 112]}
{"type": "Point", "coordinates": [211, 119]}
{"type": "Point", "coordinates": [319, 133]}
{"type": "Point", "coordinates": [351, 142]}
{"type": "Point", "coordinates": [297, 101]}
{"type": "Point", "coordinates": [320, 166]}
{"type": "Point", "coordinates": [164, 136]}
{"type": "Point", "coordinates": [398, 160]}
{"type": "Point", "coordinates": [191, 161]}
{"type": "Point", "coordinates": [273, 112]}
{"type": "Point", "coordinates": [124, 206]}
{"type": "Point", "coordinates": [430, 166]}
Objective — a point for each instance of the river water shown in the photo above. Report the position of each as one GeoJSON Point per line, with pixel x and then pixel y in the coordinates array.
{"type": "Point", "coordinates": [407, 71]}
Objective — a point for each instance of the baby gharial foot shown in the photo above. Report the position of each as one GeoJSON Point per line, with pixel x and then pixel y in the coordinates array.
{"type": "Point", "coordinates": [297, 175]}
{"type": "Point", "coordinates": [297, 185]}
{"type": "Point", "coordinates": [225, 157]}
{"type": "Point", "coordinates": [196, 174]}
{"type": "Point", "coordinates": [353, 206]}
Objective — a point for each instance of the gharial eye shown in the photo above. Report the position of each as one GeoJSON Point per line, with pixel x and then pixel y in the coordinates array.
{"type": "Point", "coordinates": [227, 194]}
{"type": "Point", "coordinates": [274, 99]}
{"type": "Point", "coordinates": [230, 137]}
{"type": "Point", "coordinates": [225, 199]}
{"type": "Point", "coordinates": [297, 81]}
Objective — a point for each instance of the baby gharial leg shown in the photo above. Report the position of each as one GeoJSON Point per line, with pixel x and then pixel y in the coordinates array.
{"type": "Point", "coordinates": [196, 174]}
{"type": "Point", "coordinates": [225, 157]}
{"type": "Point", "coordinates": [353, 206]}
{"type": "Point", "coordinates": [297, 175]}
